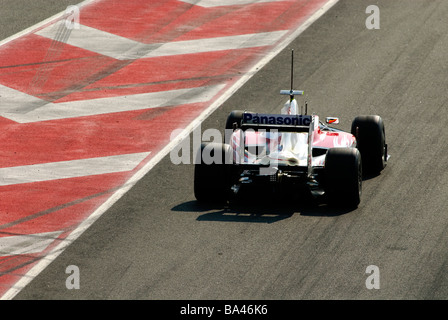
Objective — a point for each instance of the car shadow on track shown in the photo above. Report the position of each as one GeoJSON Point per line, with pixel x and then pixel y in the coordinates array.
{"type": "Point", "coordinates": [261, 210]}
{"type": "Point", "coordinates": [235, 212]}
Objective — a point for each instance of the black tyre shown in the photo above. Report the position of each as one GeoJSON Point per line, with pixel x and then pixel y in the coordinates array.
{"type": "Point", "coordinates": [343, 171]}
{"type": "Point", "coordinates": [371, 138]}
{"type": "Point", "coordinates": [235, 117]}
{"type": "Point", "coordinates": [212, 174]}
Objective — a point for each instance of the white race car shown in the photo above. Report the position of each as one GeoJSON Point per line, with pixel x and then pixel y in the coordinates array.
{"type": "Point", "coordinates": [292, 149]}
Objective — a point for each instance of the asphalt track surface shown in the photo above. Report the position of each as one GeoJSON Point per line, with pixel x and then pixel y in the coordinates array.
{"type": "Point", "coordinates": [157, 242]}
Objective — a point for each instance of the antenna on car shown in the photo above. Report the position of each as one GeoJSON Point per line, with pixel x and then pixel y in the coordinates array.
{"type": "Point", "coordinates": [292, 73]}
{"type": "Point", "coordinates": [292, 92]}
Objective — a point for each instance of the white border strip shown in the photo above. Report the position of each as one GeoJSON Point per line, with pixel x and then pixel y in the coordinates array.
{"type": "Point", "coordinates": [40, 266]}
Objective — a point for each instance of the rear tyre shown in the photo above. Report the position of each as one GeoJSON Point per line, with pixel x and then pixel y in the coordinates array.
{"type": "Point", "coordinates": [371, 139]}
{"type": "Point", "coordinates": [343, 171]}
{"type": "Point", "coordinates": [235, 117]}
{"type": "Point", "coordinates": [212, 178]}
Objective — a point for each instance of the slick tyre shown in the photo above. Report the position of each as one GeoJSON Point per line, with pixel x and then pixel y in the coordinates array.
{"type": "Point", "coordinates": [212, 173]}
{"type": "Point", "coordinates": [235, 117]}
{"type": "Point", "coordinates": [371, 138]}
{"type": "Point", "coordinates": [343, 171]}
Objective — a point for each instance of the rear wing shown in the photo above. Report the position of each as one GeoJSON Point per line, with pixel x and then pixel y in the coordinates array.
{"type": "Point", "coordinates": [280, 122]}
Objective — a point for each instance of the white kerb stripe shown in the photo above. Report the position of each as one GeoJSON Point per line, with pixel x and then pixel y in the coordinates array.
{"type": "Point", "coordinates": [94, 40]}
{"type": "Point", "coordinates": [216, 44]}
{"type": "Point", "coordinates": [120, 48]}
{"type": "Point", "coordinates": [27, 244]}
{"type": "Point", "coordinates": [70, 169]}
{"type": "Point", "coordinates": [222, 3]}
{"type": "Point", "coordinates": [23, 108]}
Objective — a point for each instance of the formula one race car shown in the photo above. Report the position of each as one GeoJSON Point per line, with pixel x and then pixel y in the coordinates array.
{"type": "Point", "coordinates": [291, 149]}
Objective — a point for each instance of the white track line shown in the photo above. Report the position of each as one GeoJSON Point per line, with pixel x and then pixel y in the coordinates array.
{"type": "Point", "coordinates": [41, 265]}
